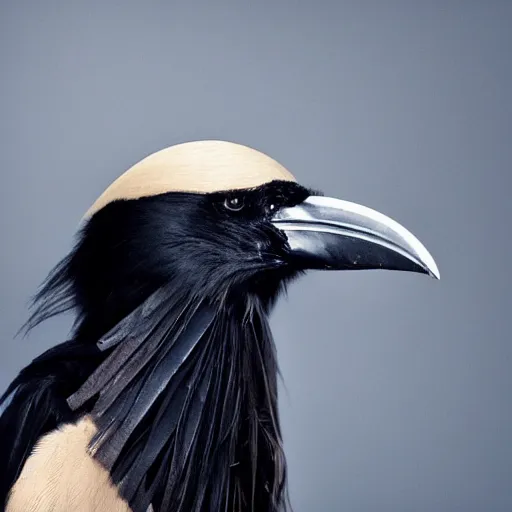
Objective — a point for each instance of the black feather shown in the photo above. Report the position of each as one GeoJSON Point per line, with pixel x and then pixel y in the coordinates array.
{"type": "Point", "coordinates": [161, 372]}
{"type": "Point", "coordinates": [193, 431]}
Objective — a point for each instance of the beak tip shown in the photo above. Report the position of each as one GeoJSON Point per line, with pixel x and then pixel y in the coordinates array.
{"type": "Point", "coordinates": [433, 271]}
{"type": "Point", "coordinates": [436, 275]}
{"type": "Point", "coordinates": [426, 259]}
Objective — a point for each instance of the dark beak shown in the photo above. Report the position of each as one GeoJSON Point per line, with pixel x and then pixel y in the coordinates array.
{"type": "Point", "coordinates": [331, 234]}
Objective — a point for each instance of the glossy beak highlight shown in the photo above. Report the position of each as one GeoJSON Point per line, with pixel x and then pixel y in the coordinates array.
{"type": "Point", "coordinates": [331, 234]}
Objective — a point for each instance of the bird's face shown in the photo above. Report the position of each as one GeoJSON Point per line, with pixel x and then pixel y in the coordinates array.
{"type": "Point", "coordinates": [211, 244]}
{"type": "Point", "coordinates": [220, 218]}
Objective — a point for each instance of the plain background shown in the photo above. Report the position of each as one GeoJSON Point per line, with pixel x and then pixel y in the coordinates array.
{"type": "Point", "coordinates": [398, 387]}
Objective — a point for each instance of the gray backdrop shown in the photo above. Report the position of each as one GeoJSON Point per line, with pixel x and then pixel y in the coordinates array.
{"type": "Point", "coordinates": [398, 387]}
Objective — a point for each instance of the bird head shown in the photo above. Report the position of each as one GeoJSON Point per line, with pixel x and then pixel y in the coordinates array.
{"type": "Point", "coordinates": [223, 220]}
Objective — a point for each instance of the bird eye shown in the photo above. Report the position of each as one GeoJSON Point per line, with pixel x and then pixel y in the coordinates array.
{"type": "Point", "coordinates": [270, 208]}
{"type": "Point", "coordinates": [234, 203]}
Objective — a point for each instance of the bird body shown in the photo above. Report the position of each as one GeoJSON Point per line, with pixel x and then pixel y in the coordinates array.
{"type": "Point", "coordinates": [165, 397]}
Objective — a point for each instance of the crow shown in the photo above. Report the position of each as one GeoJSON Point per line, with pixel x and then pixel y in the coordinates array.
{"type": "Point", "coordinates": [165, 395]}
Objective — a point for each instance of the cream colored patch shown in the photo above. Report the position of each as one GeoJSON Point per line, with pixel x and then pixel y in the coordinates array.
{"type": "Point", "coordinates": [60, 476]}
{"type": "Point", "coordinates": [202, 167]}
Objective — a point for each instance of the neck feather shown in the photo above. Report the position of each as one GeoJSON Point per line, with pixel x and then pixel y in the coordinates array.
{"type": "Point", "coordinates": [185, 403]}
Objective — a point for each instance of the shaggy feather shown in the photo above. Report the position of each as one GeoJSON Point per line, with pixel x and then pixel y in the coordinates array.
{"type": "Point", "coordinates": [186, 409]}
